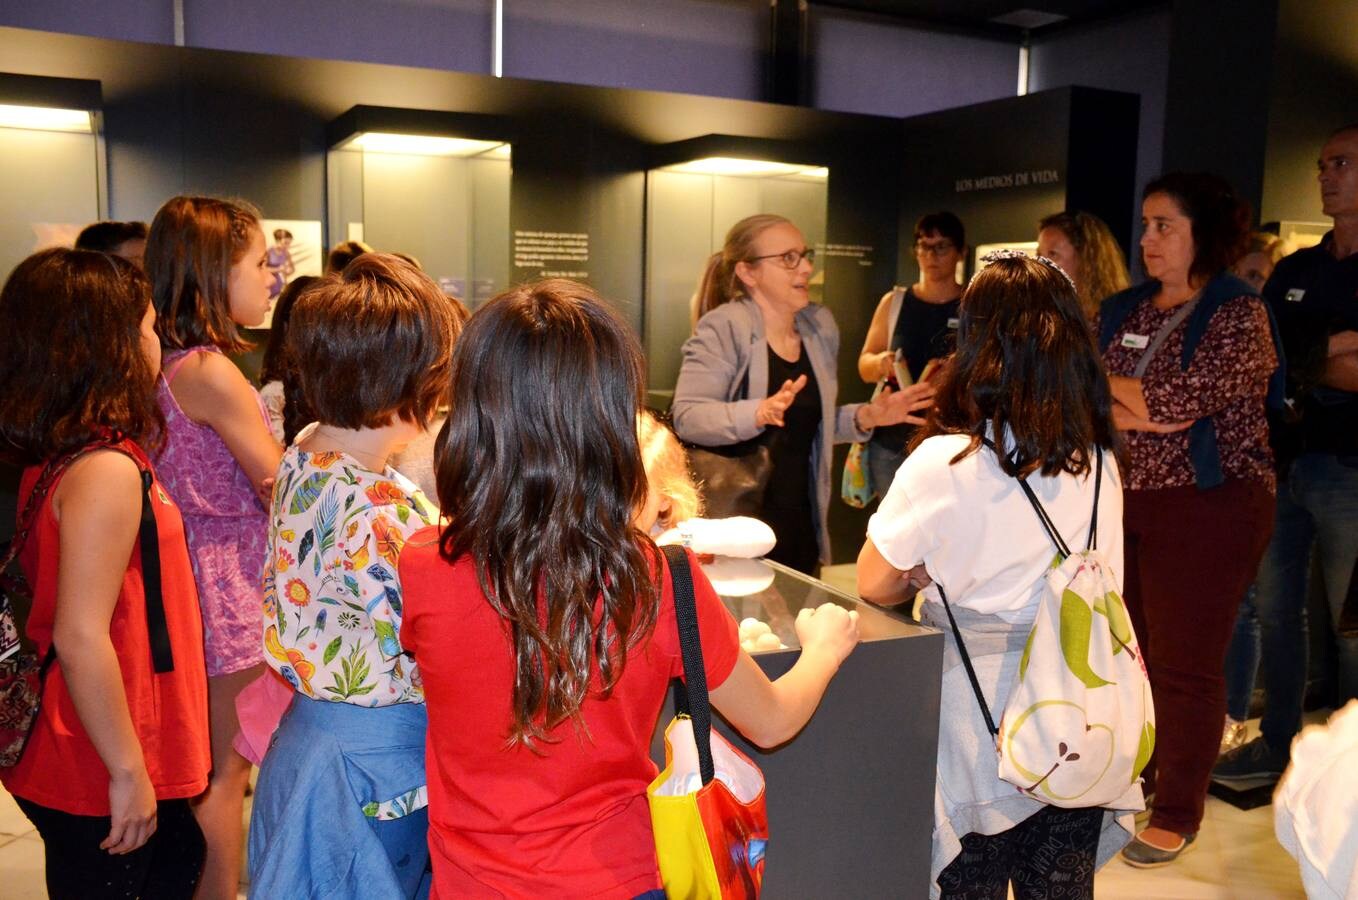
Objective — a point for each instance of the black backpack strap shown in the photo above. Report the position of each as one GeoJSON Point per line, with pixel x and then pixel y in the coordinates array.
{"type": "Point", "coordinates": [966, 663]}
{"type": "Point", "coordinates": [694, 686]}
{"type": "Point", "coordinates": [148, 537]}
{"type": "Point", "coordinates": [1047, 524]}
{"type": "Point", "coordinates": [1094, 516]}
{"type": "Point", "coordinates": [148, 541]}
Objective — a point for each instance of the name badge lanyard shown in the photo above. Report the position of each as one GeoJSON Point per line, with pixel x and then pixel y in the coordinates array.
{"type": "Point", "coordinates": [1173, 322]}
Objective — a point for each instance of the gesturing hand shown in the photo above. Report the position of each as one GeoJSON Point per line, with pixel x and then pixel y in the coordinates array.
{"type": "Point", "coordinates": [895, 407]}
{"type": "Point", "coordinates": [771, 409]}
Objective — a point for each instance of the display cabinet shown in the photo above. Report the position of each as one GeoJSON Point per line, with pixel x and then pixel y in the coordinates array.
{"type": "Point", "coordinates": [53, 171]}
{"type": "Point", "coordinates": [433, 185]}
{"type": "Point", "coordinates": [695, 191]}
{"type": "Point", "coordinates": [850, 799]}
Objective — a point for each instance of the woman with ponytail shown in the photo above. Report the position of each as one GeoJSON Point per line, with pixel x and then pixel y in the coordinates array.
{"type": "Point", "coordinates": [761, 367]}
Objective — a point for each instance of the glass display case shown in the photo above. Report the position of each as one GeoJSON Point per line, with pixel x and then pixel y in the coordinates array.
{"type": "Point", "coordinates": [771, 593]}
{"type": "Point", "coordinates": [697, 190]}
{"type": "Point", "coordinates": [54, 179]}
{"type": "Point", "coordinates": [431, 185]}
{"type": "Point", "coordinates": [850, 798]}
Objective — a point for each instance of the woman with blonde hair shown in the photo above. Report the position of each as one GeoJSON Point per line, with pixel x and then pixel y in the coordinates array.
{"type": "Point", "coordinates": [1081, 244]}
{"type": "Point", "coordinates": [761, 368]}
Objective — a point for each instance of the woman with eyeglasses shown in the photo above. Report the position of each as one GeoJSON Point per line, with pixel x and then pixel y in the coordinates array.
{"type": "Point", "coordinates": [918, 323]}
{"type": "Point", "coordinates": [761, 366]}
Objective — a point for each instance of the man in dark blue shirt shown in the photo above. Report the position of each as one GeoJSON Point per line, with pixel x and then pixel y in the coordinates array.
{"type": "Point", "coordinates": [1314, 294]}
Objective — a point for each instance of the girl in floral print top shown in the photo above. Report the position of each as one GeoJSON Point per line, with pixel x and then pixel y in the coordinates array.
{"type": "Point", "coordinates": [332, 606]}
{"type": "Point", "coordinates": [373, 348]}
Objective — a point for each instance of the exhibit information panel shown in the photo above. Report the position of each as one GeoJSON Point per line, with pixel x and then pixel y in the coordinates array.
{"type": "Point", "coordinates": [850, 798]}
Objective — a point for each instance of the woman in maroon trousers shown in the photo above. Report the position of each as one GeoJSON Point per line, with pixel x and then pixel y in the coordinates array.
{"type": "Point", "coordinates": [1190, 356]}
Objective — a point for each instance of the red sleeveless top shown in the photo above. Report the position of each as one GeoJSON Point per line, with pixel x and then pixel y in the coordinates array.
{"type": "Point", "coordinates": [60, 768]}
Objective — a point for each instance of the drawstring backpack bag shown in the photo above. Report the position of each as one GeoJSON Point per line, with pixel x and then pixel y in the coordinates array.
{"type": "Point", "coordinates": [1079, 725]}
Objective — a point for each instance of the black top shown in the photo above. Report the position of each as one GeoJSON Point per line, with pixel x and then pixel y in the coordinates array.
{"type": "Point", "coordinates": [787, 504]}
{"type": "Point", "coordinates": [924, 331]}
{"type": "Point", "coordinates": [1313, 296]}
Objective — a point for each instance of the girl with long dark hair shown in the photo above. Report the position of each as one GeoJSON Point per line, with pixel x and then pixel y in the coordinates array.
{"type": "Point", "coordinates": [120, 743]}
{"type": "Point", "coordinates": [542, 617]}
{"type": "Point", "coordinates": [1026, 377]}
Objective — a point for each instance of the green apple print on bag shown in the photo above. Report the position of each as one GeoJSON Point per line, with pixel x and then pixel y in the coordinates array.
{"type": "Point", "coordinates": [1079, 724]}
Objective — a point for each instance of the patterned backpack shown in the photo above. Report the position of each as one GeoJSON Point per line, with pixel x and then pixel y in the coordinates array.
{"type": "Point", "coordinates": [1079, 725]}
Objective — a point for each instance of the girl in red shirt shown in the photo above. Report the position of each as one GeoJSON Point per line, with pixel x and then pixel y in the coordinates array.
{"type": "Point", "coordinates": [121, 740]}
{"type": "Point", "coordinates": [543, 619]}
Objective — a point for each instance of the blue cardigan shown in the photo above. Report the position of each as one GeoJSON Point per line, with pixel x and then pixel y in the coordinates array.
{"type": "Point", "coordinates": [1202, 436]}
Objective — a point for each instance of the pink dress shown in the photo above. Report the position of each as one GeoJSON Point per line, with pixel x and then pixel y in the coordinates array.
{"type": "Point", "coordinates": [226, 527]}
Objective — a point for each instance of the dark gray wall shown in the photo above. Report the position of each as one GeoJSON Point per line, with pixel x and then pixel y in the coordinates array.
{"type": "Point", "coordinates": [1315, 90]}
{"type": "Point", "coordinates": [1216, 115]}
{"type": "Point", "coordinates": [1129, 54]}
{"type": "Point", "coordinates": [188, 120]}
{"type": "Point", "coordinates": [1060, 148]}
{"type": "Point", "coordinates": [869, 64]}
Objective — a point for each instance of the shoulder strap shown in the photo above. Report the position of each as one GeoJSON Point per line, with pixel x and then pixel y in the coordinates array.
{"type": "Point", "coordinates": [29, 517]}
{"type": "Point", "coordinates": [690, 695]}
{"type": "Point", "coordinates": [966, 663]}
{"type": "Point", "coordinates": [148, 541]}
{"type": "Point", "coordinates": [893, 311]}
{"type": "Point", "coordinates": [1047, 524]}
{"type": "Point", "coordinates": [1166, 329]}
{"type": "Point", "coordinates": [173, 368]}
{"type": "Point", "coordinates": [1094, 516]}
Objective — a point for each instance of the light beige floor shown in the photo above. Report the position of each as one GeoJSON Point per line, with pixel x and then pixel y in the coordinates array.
{"type": "Point", "coordinates": [1236, 856]}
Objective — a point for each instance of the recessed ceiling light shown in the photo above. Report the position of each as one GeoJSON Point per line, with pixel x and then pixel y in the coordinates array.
{"type": "Point", "coordinates": [44, 118]}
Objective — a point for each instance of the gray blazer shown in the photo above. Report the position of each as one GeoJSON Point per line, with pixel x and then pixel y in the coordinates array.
{"type": "Point", "coordinates": [727, 345]}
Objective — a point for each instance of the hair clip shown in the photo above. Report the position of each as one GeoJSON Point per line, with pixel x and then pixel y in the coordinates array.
{"type": "Point", "coordinates": [997, 255]}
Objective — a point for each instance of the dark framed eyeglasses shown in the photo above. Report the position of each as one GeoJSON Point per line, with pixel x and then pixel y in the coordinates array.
{"type": "Point", "coordinates": [934, 248]}
{"type": "Point", "coordinates": [790, 259]}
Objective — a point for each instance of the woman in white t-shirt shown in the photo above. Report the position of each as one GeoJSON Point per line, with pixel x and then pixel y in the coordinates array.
{"type": "Point", "coordinates": [1027, 369]}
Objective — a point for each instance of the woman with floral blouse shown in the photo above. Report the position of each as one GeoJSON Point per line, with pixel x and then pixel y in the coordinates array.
{"type": "Point", "coordinates": [340, 807]}
{"type": "Point", "coordinates": [1192, 360]}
